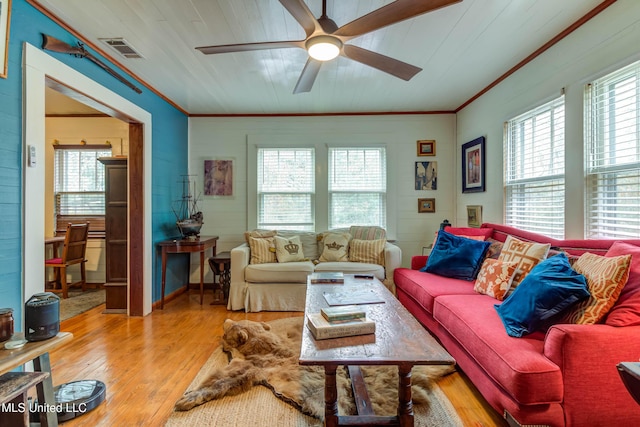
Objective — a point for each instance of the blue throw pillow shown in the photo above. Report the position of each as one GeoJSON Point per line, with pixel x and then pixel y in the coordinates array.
{"type": "Point", "coordinates": [550, 288]}
{"type": "Point", "coordinates": [456, 257]}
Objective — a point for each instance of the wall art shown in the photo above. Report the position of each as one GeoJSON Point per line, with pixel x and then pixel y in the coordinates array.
{"type": "Point", "coordinates": [474, 215]}
{"type": "Point", "coordinates": [426, 147]}
{"type": "Point", "coordinates": [218, 177]}
{"type": "Point", "coordinates": [426, 205]}
{"type": "Point", "coordinates": [5, 20]}
{"type": "Point", "coordinates": [426, 176]}
{"type": "Point", "coordinates": [473, 166]}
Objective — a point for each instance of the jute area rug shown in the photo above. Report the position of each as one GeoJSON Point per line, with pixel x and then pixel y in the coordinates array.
{"type": "Point", "coordinates": [79, 302]}
{"type": "Point", "coordinates": [260, 407]}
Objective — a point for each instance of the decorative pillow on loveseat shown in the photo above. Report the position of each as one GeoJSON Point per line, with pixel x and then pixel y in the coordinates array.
{"type": "Point", "coordinates": [549, 289]}
{"type": "Point", "coordinates": [456, 257]}
{"type": "Point", "coordinates": [335, 247]}
{"type": "Point", "coordinates": [289, 249]}
{"type": "Point", "coordinates": [367, 251]}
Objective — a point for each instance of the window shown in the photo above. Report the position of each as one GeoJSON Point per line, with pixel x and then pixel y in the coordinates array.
{"type": "Point", "coordinates": [534, 170]}
{"type": "Point", "coordinates": [79, 181]}
{"type": "Point", "coordinates": [612, 148]}
{"type": "Point", "coordinates": [286, 188]}
{"type": "Point", "coordinates": [357, 185]}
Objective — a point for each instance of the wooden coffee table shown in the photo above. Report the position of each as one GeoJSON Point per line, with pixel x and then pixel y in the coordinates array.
{"type": "Point", "coordinates": [399, 340]}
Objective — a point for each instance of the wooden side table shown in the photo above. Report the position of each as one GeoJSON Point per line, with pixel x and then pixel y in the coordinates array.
{"type": "Point", "coordinates": [184, 246]}
{"type": "Point", "coordinates": [221, 266]}
{"type": "Point", "coordinates": [38, 353]}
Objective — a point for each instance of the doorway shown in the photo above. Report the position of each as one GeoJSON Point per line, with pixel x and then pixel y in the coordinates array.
{"type": "Point", "coordinates": [42, 71]}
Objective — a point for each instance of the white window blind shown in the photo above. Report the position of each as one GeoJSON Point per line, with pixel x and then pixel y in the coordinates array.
{"type": "Point", "coordinates": [286, 188]}
{"type": "Point", "coordinates": [357, 187]}
{"type": "Point", "coordinates": [79, 181]}
{"type": "Point", "coordinates": [612, 147]}
{"type": "Point", "coordinates": [534, 170]}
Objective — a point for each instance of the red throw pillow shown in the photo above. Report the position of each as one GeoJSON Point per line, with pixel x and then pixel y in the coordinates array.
{"type": "Point", "coordinates": [626, 311]}
{"type": "Point", "coordinates": [470, 231]}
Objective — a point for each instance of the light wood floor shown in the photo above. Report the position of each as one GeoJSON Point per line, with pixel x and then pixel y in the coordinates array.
{"type": "Point", "coordinates": [148, 362]}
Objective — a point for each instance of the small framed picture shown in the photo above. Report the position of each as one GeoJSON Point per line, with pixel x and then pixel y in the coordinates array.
{"type": "Point", "coordinates": [473, 167]}
{"type": "Point", "coordinates": [474, 215]}
{"type": "Point", "coordinates": [426, 205]}
{"type": "Point", "coordinates": [427, 147]}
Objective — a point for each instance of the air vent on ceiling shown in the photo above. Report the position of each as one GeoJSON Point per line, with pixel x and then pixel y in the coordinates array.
{"type": "Point", "coordinates": [122, 47]}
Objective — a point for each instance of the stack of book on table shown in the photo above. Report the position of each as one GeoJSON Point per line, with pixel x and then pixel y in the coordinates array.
{"type": "Point", "coordinates": [326, 277]}
{"type": "Point", "coordinates": [342, 321]}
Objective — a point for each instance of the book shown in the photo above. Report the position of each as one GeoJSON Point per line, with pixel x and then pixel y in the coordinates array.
{"type": "Point", "coordinates": [322, 329]}
{"type": "Point", "coordinates": [343, 312]}
{"type": "Point", "coordinates": [326, 277]}
{"type": "Point", "coordinates": [353, 297]}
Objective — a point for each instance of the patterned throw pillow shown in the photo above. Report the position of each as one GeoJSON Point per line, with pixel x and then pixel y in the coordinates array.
{"type": "Point", "coordinates": [288, 249]}
{"type": "Point", "coordinates": [259, 234]}
{"type": "Point", "coordinates": [606, 276]}
{"type": "Point", "coordinates": [369, 251]}
{"type": "Point", "coordinates": [263, 250]}
{"type": "Point", "coordinates": [494, 249]}
{"type": "Point", "coordinates": [335, 247]}
{"type": "Point", "coordinates": [526, 254]}
{"type": "Point", "coordinates": [495, 278]}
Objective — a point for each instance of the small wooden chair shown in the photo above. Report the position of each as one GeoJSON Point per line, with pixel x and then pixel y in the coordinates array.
{"type": "Point", "coordinates": [73, 252]}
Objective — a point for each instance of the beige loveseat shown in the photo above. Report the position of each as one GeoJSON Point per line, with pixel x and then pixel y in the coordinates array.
{"type": "Point", "coordinates": [257, 285]}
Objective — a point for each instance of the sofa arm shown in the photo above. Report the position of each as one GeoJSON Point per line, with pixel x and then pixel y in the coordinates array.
{"type": "Point", "coordinates": [418, 261]}
{"type": "Point", "coordinates": [392, 259]}
{"type": "Point", "coordinates": [240, 257]}
{"type": "Point", "coordinates": [587, 356]}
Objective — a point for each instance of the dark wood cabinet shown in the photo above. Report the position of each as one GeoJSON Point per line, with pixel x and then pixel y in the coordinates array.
{"type": "Point", "coordinates": [116, 215]}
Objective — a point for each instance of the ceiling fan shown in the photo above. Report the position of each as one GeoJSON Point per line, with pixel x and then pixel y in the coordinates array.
{"type": "Point", "coordinates": [325, 40]}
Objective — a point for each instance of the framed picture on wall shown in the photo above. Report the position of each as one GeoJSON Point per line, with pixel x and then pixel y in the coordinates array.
{"type": "Point", "coordinates": [5, 19]}
{"type": "Point", "coordinates": [427, 147]}
{"type": "Point", "coordinates": [426, 176]}
{"type": "Point", "coordinates": [474, 215]}
{"type": "Point", "coordinates": [218, 177]}
{"type": "Point", "coordinates": [473, 166]}
{"type": "Point", "coordinates": [426, 205]}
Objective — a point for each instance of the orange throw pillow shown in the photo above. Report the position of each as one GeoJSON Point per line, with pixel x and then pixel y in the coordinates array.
{"type": "Point", "coordinates": [495, 278]}
{"type": "Point", "coordinates": [606, 276]}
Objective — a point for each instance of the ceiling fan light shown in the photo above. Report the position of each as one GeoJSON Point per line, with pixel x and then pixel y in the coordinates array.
{"type": "Point", "coordinates": [324, 48]}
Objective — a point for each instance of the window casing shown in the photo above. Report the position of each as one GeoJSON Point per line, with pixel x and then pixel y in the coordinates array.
{"type": "Point", "coordinates": [357, 186]}
{"type": "Point", "coordinates": [612, 150]}
{"type": "Point", "coordinates": [534, 170]}
{"type": "Point", "coordinates": [286, 188]}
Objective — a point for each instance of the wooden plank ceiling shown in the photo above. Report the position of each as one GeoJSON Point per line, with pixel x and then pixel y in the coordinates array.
{"type": "Point", "coordinates": [461, 48]}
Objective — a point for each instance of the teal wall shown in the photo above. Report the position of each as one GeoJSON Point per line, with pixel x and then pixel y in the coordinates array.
{"type": "Point", "coordinates": [169, 150]}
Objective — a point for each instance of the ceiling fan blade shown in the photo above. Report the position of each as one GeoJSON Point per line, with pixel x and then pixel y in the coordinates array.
{"type": "Point", "coordinates": [299, 10]}
{"type": "Point", "coordinates": [392, 13]}
{"type": "Point", "coordinates": [381, 62]}
{"type": "Point", "coordinates": [246, 47]}
{"type": "Point", "coordinates": [308, 76]}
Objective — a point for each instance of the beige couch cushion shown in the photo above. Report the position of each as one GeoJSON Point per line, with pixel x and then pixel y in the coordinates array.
{"type": "Point", "coordinates": [279, 272]}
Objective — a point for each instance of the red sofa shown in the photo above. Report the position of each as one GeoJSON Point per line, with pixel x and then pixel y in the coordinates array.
{"type": "Point", "coordinates": [566, 377]}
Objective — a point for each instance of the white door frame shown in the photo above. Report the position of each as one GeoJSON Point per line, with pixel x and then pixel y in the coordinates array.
{"type": "Point", "coordinates": [37, 66]}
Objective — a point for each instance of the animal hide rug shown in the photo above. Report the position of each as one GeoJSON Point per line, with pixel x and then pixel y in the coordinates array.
{"type": "Point", "coordinates": [267, 354]}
